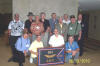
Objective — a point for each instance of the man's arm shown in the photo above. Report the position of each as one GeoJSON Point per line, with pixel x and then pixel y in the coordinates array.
{"type": "Point", "coordinates": [33, 52]}
{"type": "Point", "coordinates": [42, 28]}
{"type": "Point", "coordinates": [80, 33]}
{"type": "Point", "coordinates": [75, 51]}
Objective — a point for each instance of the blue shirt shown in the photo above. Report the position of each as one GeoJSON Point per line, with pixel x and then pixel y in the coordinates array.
{"type": "Point", "coordinates": [74, 46]}
{"type": "Point", "coordinates": [22, 44]}
{"type": "Point", "coordinates": [52, 24]}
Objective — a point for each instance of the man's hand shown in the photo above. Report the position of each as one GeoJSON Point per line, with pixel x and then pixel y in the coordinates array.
{"type": "Point", "coordinates": [69, 51]}
{"type": "Point", "coordinates": [25, 52]}
{"type": "Point", "coordinates": [79, 38]}
{"type": "Point", "coordinates": [63, 35]}
{"type": "Point", "coordinates": [9, 32]}
{"type": "Point", "coordinates": [74, 53]}
{"type": "Point", "coordinates": [34, 52]}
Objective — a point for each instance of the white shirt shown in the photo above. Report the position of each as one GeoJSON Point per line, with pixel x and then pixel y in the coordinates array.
{"type": "Point", "coordinates": [67, 22]}
{"type": "Point", "coordinates": [16, 28]}
{"type": "Point", "coordinates": [79, 21]}
{"type": "Point", "coordinates": [34, 46]}
{"type": "Point", "coordinates": [56, 41]}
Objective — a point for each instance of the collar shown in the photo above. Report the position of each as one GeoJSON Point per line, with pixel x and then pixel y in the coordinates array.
{"type": "Point", "coordinates": [17, 21]}
{"type": "Point", "coordinates": [79, 21]}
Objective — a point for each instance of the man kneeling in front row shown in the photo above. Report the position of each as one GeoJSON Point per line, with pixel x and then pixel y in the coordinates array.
{"type": "Point", "coordinates": [33, 49]}
{"type": "Point", "coordinates": [72, 50]}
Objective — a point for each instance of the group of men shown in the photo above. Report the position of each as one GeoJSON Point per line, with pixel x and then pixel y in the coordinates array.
{"type": "Point", "coordinates": [53, 32]}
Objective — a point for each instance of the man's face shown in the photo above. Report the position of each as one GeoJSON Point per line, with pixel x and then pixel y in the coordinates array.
{"type": "Point", "coordinates": [71, 39]}
{"type": "Point", "coordinates": [80, 17]}
{"type": "Point", "coordinates": [43, 16]}
{"type": "Point", "coordinates": [73, 20]}
{"type": "Point", "coordinates": [16, 17]}
{"type": "Point", "coordinates": [54, 16]}
{"type": "Point", "coordinates": [30, 17]}
{"type": "Point", "coordinates": [25, 35]}
{"type": "Point", "coordinates": [60, 20]}
{"type": "Point", "coordinates": [56, 32]}
{"type": "Point", "coordinates": [65, 17]}
{"type": "Point", "coordinates": [39, 38]}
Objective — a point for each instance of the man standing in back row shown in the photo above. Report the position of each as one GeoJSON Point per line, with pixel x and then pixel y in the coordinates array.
{"type": "Point", "coordinates": [28, 22]}
{"type": "Point", "coordinates": [81, 41]}
{"type": "Point", "coordinates": [53, 21]}
{"type": "Point", "coordinates": [62, 28]}
{"type": "Point", "coordinates": [74, 29]}
{"type": "Point", "coordinates": [46, 31]}
{"type": "Point", "coordinates": [15, 30]}
{"type": "Point", "coordinates": [36, 28]}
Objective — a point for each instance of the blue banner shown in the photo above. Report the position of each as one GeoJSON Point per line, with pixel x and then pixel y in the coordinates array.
{"type": "Point", "coordinates": [50, 56]}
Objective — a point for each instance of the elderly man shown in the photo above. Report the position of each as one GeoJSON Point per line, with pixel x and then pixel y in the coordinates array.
{"type": "Point", "coordinates": [36, 28]}
{"type": "Point", "coordinates": [44, 21]}
{"type": "Point", "coordinates": [72, 50]}
{"type": "Point", "coordinates": [53, 21]}
{"type": "Point", "coordinates": [28, 22]}
{"type": "Point", "coordinates": [74, 29]}
{"type": "Point", "coordinates": [46, 32]}
{"type": "Point", "coordinates": [56, 40]}
{"type": "Point", "coordinates": [62, 28]}
{"type": "Point", "coordinates": [66, 20]}
{"type": "Point", "coordinates": [15, 30]}
{"type": "Point", "coordinates": [33, 49]}
{"type": "Point", "coordinates": [83, 25]}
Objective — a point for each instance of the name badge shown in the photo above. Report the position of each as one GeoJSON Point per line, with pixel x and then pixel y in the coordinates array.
{"type": "Point", "coordinates": [69, 49]}
{"type": "Point", "coordinates": [27, 45]}
{"type": "Point", "coordinates": [71, 28]}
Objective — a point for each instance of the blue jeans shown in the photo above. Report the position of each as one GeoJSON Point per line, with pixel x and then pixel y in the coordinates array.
{"type": "Point", "coordinates": [69, 57]}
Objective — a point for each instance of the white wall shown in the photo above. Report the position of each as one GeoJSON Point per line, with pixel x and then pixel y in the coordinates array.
{"type": "Point", "coordinates": [36, 6]}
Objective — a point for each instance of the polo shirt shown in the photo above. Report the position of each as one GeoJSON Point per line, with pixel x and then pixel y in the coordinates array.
{"type": "Point", "coordinates": [56, 41]}
{"type": "Point", "coordinates": [66, 22]}
{"type": "Point", "coordinates": [28, 25]}
{"type": "Point", "coordinates": [74, 29]}
{"type": "Point", "coordinates": [34, 46]}
{"type": "Point", "coordinates": [16, 28]}
{"type": "Point", "coordinates": [45, 24]}
{"type": "Point", "coordinates": [74, 46]}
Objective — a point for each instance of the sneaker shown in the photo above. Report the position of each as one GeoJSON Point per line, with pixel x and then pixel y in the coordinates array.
{"type": "Point", "coordinates": [10, 60]}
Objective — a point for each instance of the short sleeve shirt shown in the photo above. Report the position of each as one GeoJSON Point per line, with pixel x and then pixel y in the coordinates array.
{"type": "Point", "coordinates": [74, 29]}
{"type": "Point", "coordinates": [56, 41]}
{"type": "Point", "coordinates": [28, 25]}
{"type": "Point", "coordinates": [34, 46]}
{"type": "Point", "coordinates": [16, 28]}
{"type": "Point", "coordinates": [74, 46]}
{"type": "Point", "coordinates": [45, 24]}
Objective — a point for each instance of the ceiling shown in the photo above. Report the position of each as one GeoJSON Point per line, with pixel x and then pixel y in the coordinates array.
{"type": "Point", "coordinates": [85, 5]}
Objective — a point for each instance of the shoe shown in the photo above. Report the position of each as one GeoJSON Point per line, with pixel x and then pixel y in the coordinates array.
{"type": "Point", "coordinates": [10, 60]}
{"type": "Point", "coordinates": [20, 64]}
{"type": "Point", "coordinates": [75, 63]}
